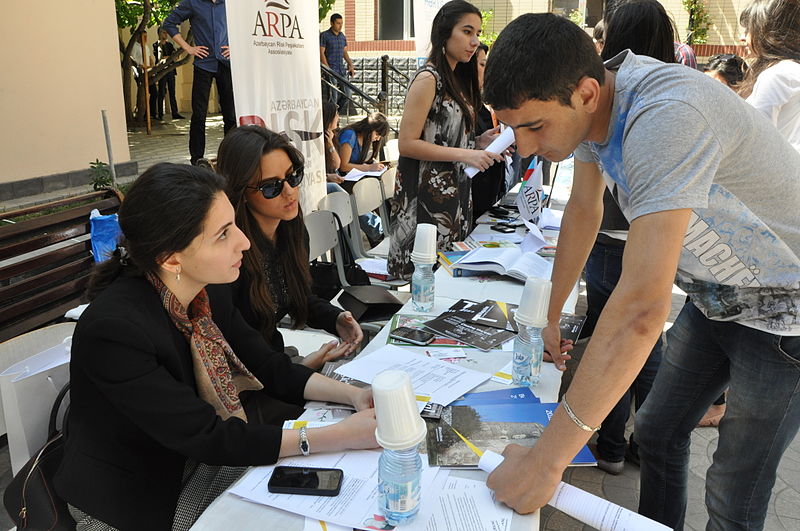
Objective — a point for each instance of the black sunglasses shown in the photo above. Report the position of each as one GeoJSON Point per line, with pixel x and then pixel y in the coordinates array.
{"type": "Point", "coordinates": [272, 188]}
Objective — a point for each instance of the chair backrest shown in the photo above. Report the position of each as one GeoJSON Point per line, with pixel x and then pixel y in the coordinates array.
{"type": "Point", "coordinates": [392, 149]}
{"type": "Point", "coordinates": [368, 196]}
{"type": "Point", "coordinates": [388, 180]}
{"type": "Point", "coordinates": [339, 204]}
{"type": "Point", "coordinates": [323, 237]}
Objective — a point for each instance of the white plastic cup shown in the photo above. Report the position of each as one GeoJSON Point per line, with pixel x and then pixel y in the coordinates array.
{"type": "Point", "coordinates": [424, 244]}
{"type": "Point", "coordinates": [533, 304]}
{"type": "Point", "coordinates": [399, 424]}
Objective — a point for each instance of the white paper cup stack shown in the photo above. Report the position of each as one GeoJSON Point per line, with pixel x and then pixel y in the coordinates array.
{"type": "Point", "coordinates": [399, 424]}
{"type": "Point", "coordinates": [424, 244]}
{"type": "Point", "coordinates": [533, 305]}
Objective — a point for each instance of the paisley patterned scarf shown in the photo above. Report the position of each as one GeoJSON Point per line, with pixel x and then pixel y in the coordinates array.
{"type": "Point", "coordinates": [219, 374]}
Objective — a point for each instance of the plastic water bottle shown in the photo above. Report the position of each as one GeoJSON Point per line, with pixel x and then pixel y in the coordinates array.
{"type": "Point", "coordinates": [399, 473]}
{"type": "Point", "coordinates": [528, 353]}
{"type": "Point", "coordinates": [422, 287]}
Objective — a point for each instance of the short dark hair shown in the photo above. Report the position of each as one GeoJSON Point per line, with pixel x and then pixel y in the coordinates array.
{"type": "Point", "coordinates": [539, 56]}
{"type": "Point", "coordinates": [335, 17]}
{"type": "Point", "coordinates": [641, 26]}
{"type": "Point", "coordinates": [730, 66]}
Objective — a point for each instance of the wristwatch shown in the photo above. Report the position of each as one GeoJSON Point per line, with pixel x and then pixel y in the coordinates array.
{"type": "Point", "coordinates": [305, 449]}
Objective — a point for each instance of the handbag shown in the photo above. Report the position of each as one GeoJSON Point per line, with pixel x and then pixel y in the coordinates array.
{"type": "Point", "coordinates": [30, 499]}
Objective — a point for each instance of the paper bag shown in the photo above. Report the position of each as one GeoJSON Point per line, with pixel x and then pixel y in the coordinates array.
{"type": "Point", "coordinates": [29, 388]}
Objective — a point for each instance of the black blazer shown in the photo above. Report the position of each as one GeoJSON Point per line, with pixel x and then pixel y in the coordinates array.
{"type": "Point", "coordinates": [135, 415]}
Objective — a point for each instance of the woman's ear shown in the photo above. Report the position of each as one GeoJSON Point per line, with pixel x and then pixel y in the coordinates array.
{"type": "Point", "coordinates": [171, 263]}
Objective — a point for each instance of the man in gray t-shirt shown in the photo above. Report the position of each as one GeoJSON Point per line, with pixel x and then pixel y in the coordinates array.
{"type": "Point", "coordinates": [710, 189]}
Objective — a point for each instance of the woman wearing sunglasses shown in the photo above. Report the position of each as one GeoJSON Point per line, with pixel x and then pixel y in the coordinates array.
{"type": "Point", "coordinates": [264, 172]}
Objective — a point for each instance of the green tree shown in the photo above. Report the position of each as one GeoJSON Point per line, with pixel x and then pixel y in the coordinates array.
{"type": "Point", "coordinates": [325, 7]}
{"type": "Point", "coordinates": [699, 21]}
{"type": "Point", "coordinates": [487, 37]}
{"type": "Point", "coordinates": [137, 16]}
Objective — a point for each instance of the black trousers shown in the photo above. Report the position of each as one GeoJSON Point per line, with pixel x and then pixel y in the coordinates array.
{"type": "Point", "coordinates": [167, 85]}
{"type": "Point", "coordinates": [201, 89]}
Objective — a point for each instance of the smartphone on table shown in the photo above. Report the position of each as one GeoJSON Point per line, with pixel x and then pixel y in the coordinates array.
{"type": "Point", "coordinates": [415, 336]}
{"type": "Point", "coordinates": [306, 480]}
{"type": "Point", "coordinates": [506, 229]}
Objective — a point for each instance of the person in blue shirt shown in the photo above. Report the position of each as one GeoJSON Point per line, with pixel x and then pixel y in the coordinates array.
{"type": "Point", "coordinates": [333, 54]}
{"type": "Point", "coordinates": [211, 63]}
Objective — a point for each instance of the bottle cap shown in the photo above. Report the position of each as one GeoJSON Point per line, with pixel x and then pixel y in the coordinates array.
{"type": "Point", "coordinates": [533, 305]}
{"type": "Point", "coordinates": [399, 424]}
{"type": "Point", "coordinates": [424, 244]}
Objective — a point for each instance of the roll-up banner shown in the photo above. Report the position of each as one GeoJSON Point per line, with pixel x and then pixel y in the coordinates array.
{"type": "Point", "coordinates": [276, 78]}
{"type": "Point", "coordinates": [424, 11]}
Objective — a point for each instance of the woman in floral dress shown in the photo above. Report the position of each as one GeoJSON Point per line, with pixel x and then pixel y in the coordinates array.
{"type": "Point", "coordinates": [437, 139]}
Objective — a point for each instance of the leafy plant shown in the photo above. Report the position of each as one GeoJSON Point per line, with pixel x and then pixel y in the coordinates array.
{"type": "Point", "coordinates": [576, 17]}
{"type": "Point", "coordinates": [325, 7]}
{"type": "Point", "coordinates": [101, 175]}
{"type": "Point", "coordinates": [699, 21]}
{"type": "Point", "coordinates": [487, 37]}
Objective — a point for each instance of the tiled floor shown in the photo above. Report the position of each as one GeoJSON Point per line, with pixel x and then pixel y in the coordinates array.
{"type": "Point", "coordinates": [169, 142]}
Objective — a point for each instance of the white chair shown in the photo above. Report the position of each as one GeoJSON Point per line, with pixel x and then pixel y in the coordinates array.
{"type": "Point", "coordinates": [392, 150]}
{"type": "Point", "coordinates": [27, 345]}
{"type": "Point", "coordinates": [368, 196]}
{"type": "Point", "coordinates": [323, 237]}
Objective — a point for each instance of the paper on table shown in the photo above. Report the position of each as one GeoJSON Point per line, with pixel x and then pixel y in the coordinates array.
{"type": "Point", "coordinates": [440, 382]}
{"type": "Point", "coordinates": [498, 145]}
{"type": "Point", "coordinates": [503, 376]}
{"type": "Point", "coordinates": [445, 353]}
{"type": "Point", "coordinates": [512, 237]}
{"type": "Point", "coordinates": [467, 505]}
{"type": "Point", "coordinates": [376, 266]}
{"type": "Point", "coordinates": [356, 175]}
{"type": "Point", "coordinates": [534, 240]}
{"type": "Point", "coordinates": [551, 219]}
{"type": "Point", "coordinates": [355, 506]}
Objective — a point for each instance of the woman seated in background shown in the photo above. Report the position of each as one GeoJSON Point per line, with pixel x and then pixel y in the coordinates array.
{"type": "Point", "coordinates": [726, 68]}
{"type": "Point", "coordinates": [360, 143]}
{"type": "Point", "coordinates": [263, 172]}
{"type": "Point", "coordinates": [157, 426]}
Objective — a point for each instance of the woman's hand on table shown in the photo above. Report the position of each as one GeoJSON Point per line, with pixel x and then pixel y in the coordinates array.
{"type": "Point", "coordinates": [334, 178]}
{"type": "Point", "coordinates": [327, 352]}
{"type": "Point", "coordinates": [362, 398]}
{"type": "Point", "coordinates": [375, 166]}
{"type": "Point", "coordinates": [480, 159]}
{"type": "Point", "coordinates": [358, 430]}
{"type": "Point", "coordinates": [526, 480]}
{"type": "Point", "coordinates": [553, 343]}
{"type": "Point", "coordinates": [349, 329]}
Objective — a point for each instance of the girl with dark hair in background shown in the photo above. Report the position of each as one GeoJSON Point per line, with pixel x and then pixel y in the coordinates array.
{"type": "Point", "coordinates": [645, 28]}
{"type": "Point", "coordinates": [330, 123]}
{"type": "Point", "coordinates": [772, 85]}
{"type": "Point", "coordinates": [437, 137]}
{"type": "Point", "coordinates": [726, 68]}
{"type": "Point", "coordinates": [157, 426]}
{"type": "Point", "coordinates": [360, 143]}
{"type": "Point", "coordinates": [263, 172]}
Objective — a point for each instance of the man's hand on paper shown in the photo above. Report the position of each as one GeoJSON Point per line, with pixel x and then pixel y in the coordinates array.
{"type": "Point", "coordinates": [553, 343]}
{"type": "Point", "coordinates": [362, 398]}
{"type": "Point", "coordinates": [358, 430]}
{"type": "Point", "coordinates": [526, 480]}
{"type": "Point", "coordinates": [481, 159]}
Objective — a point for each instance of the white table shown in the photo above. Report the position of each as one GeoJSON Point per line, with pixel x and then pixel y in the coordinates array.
{"type": "Point", "coordinates": [229, 511]}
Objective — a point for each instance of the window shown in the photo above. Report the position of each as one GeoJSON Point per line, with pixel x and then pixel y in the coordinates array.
{"type": "Point", "coordinates": [395, 20]}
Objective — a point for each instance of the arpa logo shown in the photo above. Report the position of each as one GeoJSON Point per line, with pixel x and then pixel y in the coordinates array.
{"type": "Point", "coordinates": [277, 21]}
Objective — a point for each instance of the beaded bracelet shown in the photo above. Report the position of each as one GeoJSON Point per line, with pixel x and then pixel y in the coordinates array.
{"type": "Point", "coordinates": [574, 417]}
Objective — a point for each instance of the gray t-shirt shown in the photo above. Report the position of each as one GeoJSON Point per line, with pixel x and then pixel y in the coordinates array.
{"type": "Point", "coordinates": [679, 139]}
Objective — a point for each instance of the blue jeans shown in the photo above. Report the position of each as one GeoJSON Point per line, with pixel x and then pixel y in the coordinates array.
{"type": "Point", "coordinates": [603, 269]}
{"type": "Point", "coordinates": [370, 222]}
{"type": "Point", "coordinates": [702, 358]}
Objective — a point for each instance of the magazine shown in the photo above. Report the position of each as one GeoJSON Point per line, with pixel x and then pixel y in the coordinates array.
{"type": "Point", "coordinates": [418, 321]}
{"type": "Point", "coordinates": [501, 315]}
{"type": "Point", "coordinates": [489, 425]}
{"type": "Point", "coordinates": [455, 323]}
{"type": "Point", "coordinates": [510, 261]}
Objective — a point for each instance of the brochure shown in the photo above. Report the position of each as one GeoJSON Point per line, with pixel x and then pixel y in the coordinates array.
{"type": "Point", "coordinates": [506, 261]}
{"type": "Point", "coordinates": [455, 323]}
{"type": "Point", "coordinates": [501, 315]}
{"type": "Point", "coordinates": [490, 425]}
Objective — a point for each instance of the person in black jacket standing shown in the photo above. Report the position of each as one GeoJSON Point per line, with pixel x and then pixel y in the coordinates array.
{"type": "Point", "coordinates": [162, 50]}
{"type": "Point", "coordinates": [157, 428]}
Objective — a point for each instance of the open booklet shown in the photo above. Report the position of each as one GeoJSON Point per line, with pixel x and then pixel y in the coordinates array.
{"type": "Point", "coordinates": [509, 261]}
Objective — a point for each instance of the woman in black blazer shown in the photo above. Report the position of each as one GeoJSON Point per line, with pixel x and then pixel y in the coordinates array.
{"type": "Point", "coordinates": [155, 415]}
